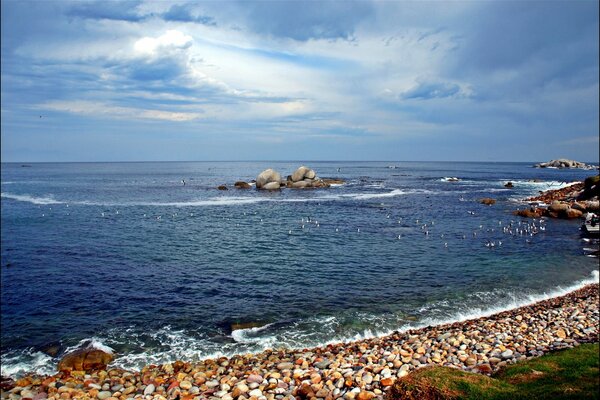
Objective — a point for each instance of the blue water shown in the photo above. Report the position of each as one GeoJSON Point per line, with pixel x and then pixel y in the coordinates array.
{"type": "Point", "coordinates": [125, 255]}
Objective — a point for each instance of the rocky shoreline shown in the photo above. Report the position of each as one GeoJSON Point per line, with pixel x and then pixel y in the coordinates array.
{"type": "Point", "coordinates": [360, 370]}
{"type": "Point", "coordinates": [572, 201]}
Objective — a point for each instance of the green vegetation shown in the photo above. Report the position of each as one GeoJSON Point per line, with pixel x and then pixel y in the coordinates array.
{"type": "Point", "coordinates": [566, 374]}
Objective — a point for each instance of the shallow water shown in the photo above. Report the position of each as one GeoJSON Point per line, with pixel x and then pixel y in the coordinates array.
{"type": "Point", "coordinates": [125, 255]}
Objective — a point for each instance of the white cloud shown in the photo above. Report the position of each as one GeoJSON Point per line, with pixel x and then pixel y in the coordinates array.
{"type": "Point", "coordinates": [168, 40]}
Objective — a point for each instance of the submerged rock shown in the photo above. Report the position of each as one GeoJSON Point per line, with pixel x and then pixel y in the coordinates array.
{"type": "Point", "coordinates": [242, 185]}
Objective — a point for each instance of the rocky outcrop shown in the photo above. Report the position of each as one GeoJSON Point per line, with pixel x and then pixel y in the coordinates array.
{"type": "Point", "coordinates": [305, 177]}
{"type": "Point", "coordinates": [564, 163]}
{"type": "Point", "coordinates": [269, 179]}
{"type": "Point", "coordinates": [509, 185]}
{"type": "Point", "coordinates": [88, 359]}
{"type": "Point", "coordinates": [572, 201]}
{"type": "Point", "coordinates": [487, 201]}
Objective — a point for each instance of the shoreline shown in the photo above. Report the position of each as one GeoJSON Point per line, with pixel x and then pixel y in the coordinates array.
{"type": "Point", "coordinates": [361, 369]}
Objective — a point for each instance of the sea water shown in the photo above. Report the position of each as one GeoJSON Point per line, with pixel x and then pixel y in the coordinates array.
{"type": "Point", "coordinates": [152, 261]}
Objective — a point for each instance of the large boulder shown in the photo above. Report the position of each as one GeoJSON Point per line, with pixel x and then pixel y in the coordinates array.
{"type": "Point", "coordinates": [87, 359]}
{"type": "Point", "coordinates": [271, 186]}
{"type": "Point", "coordinates": [303, 173]}
{"type": "Point", "coordinates": [558, 207]}
{"type": "Point", "coordinates": [268, 176]}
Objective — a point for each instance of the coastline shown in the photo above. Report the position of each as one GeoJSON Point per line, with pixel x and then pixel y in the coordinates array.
{"type": "Point", "coordinates": [362, 369]}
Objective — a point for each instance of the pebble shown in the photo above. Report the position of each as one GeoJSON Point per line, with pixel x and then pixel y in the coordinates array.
{"type": "Point", "coordinates": [105, 394]}
{"type": "Point", "coordinates": [362, 370]}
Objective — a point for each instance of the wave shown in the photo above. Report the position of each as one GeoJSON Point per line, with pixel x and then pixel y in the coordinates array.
{"type": "Point", "coordinates": [31, 199]}
{"type": "Point", "coordinates": [216, 201]}
{"type": "Point", "coordinates": [307, 333]}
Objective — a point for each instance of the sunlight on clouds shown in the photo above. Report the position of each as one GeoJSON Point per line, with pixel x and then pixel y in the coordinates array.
{"type": "Point", "coordinates": [100, 109]}
{"type": "Point", "coordinates": [171, 38]}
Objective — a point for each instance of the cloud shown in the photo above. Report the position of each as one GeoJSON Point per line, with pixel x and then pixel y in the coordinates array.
{"type": "Point", "coordinates": [187, 13]}
{"type": "Point", "coordinates": [431, 89]}
{"type": "Point", "coordinates": [100, 109]}
{"type": "Point", "coordinates": [110, 10]}
{"type": "Point", "coordinates": [306, 20]}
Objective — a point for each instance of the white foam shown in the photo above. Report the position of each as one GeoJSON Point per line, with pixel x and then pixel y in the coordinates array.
{"type": "Point", "coordinates": [30, 199]}
{"type": "Point", "coordinates": [245, 336]}
{"type": "Point", "coordinates": [27, 361]}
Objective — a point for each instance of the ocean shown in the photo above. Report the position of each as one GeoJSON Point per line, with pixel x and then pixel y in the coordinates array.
{"type": "Point", "coordinates": [125, 256]}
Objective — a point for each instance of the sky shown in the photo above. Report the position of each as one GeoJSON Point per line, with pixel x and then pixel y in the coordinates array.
{"type": "Point", "coordinates": [311, 80]}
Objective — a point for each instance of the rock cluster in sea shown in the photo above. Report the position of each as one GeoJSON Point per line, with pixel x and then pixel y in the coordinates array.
{"type": "Point", "coordinates": [303, 177]}
{"type": "Point", "coordinates": [361, 370]}
{"type": "Point", "coordinates": [573, 201]}
{"type": "Point", "coordinates": [565, 163]}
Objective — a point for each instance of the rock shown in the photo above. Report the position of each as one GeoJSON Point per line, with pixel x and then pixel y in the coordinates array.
{"type": "Point", "coordinates": [104, 395]}
{"type": "Point", "coordinates": [87, 359]}
{"type": "Point", "coordinates": [573, 213]}
{"type": "Point", "coordinates": [483, 369]}
{"type": "Point", "coordinates": [487, 201]}
{"type": "Point", "coordinates": [185, 385]}
{"type": "Point", "coordinates": [271, 186]}
{"type": "Point", "coordinates": [149, 389]}
{"type": "Point", "coordinates": [507, 354]}
{"type": "Point", "coordinates": [300, 173]}
{"type": "Point", "coordinates": [509, 185]}
{"type": "Point", "coordinates": [268, 176]}
{"type": "Point", "coordinates": [254, 378]}
{"type": "Point", "coordinates": [255, 393]}
{"type": "Point", "coordinates": [561, 333]}
{"type": "Point", "coordinates": [299, 184]}
{"type": "Point", "coordinates": [222, 187]}
{"type": "Point", "coordinates": [564, 163]}
{"type": "Point", "coordinates": [322, 364]}
{"type": "Point", "coordinates": [558, 207]}
{"type": "Point", "coordinates": [242, 185]}
{"type": "Point", "coordinates": [530, 213]}
{"type": "Point", "coordinates": [285, 365]}
{"type": "Point", "coordinates": [385, 382]}
{"type": "Point", "coordinates": [364, 395]}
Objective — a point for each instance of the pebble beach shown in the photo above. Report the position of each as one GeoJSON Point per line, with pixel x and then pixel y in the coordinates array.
{"type": "Point", "coordinates": [358, 370]}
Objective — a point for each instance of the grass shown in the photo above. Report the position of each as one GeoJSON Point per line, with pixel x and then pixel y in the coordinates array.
{"type": "Point", "coordinates": [566, 374]}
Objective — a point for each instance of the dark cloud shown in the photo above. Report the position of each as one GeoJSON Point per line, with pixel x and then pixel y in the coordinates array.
{"type": "Point", "coordinates": [513, 48]}
{"type": "Point", "coordinates": [305, 20]}
{"type": "Point", "coordinates": [112, 10]}
{"type": "Point", "coordinates": [432, 90]}
{"type": "Point", "coordinates": [187, 13]}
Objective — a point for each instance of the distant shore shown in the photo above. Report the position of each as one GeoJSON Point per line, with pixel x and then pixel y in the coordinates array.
{"type": "Point", "coordinates": [357, 370]}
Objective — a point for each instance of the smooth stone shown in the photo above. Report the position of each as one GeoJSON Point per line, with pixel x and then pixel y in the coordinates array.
{"type": "Point", "coordinates": [507, 354]}
{"type": "Point", "coordinates": [149, 389]}
{"type": "Point", "coordinates": [105, 394]}
{"type": "Point", "coordinates": [185, 385]}
{"type": "Point", "coordinates": [285, 365]}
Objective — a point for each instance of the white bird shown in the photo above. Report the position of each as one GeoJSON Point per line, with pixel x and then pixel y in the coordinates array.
{"type": "Point", "coordinates": [399, 236]}
{"type": "Point", "coordinates": [290, 232]}
{"type": "Point", "coordinates": [358, 230]}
